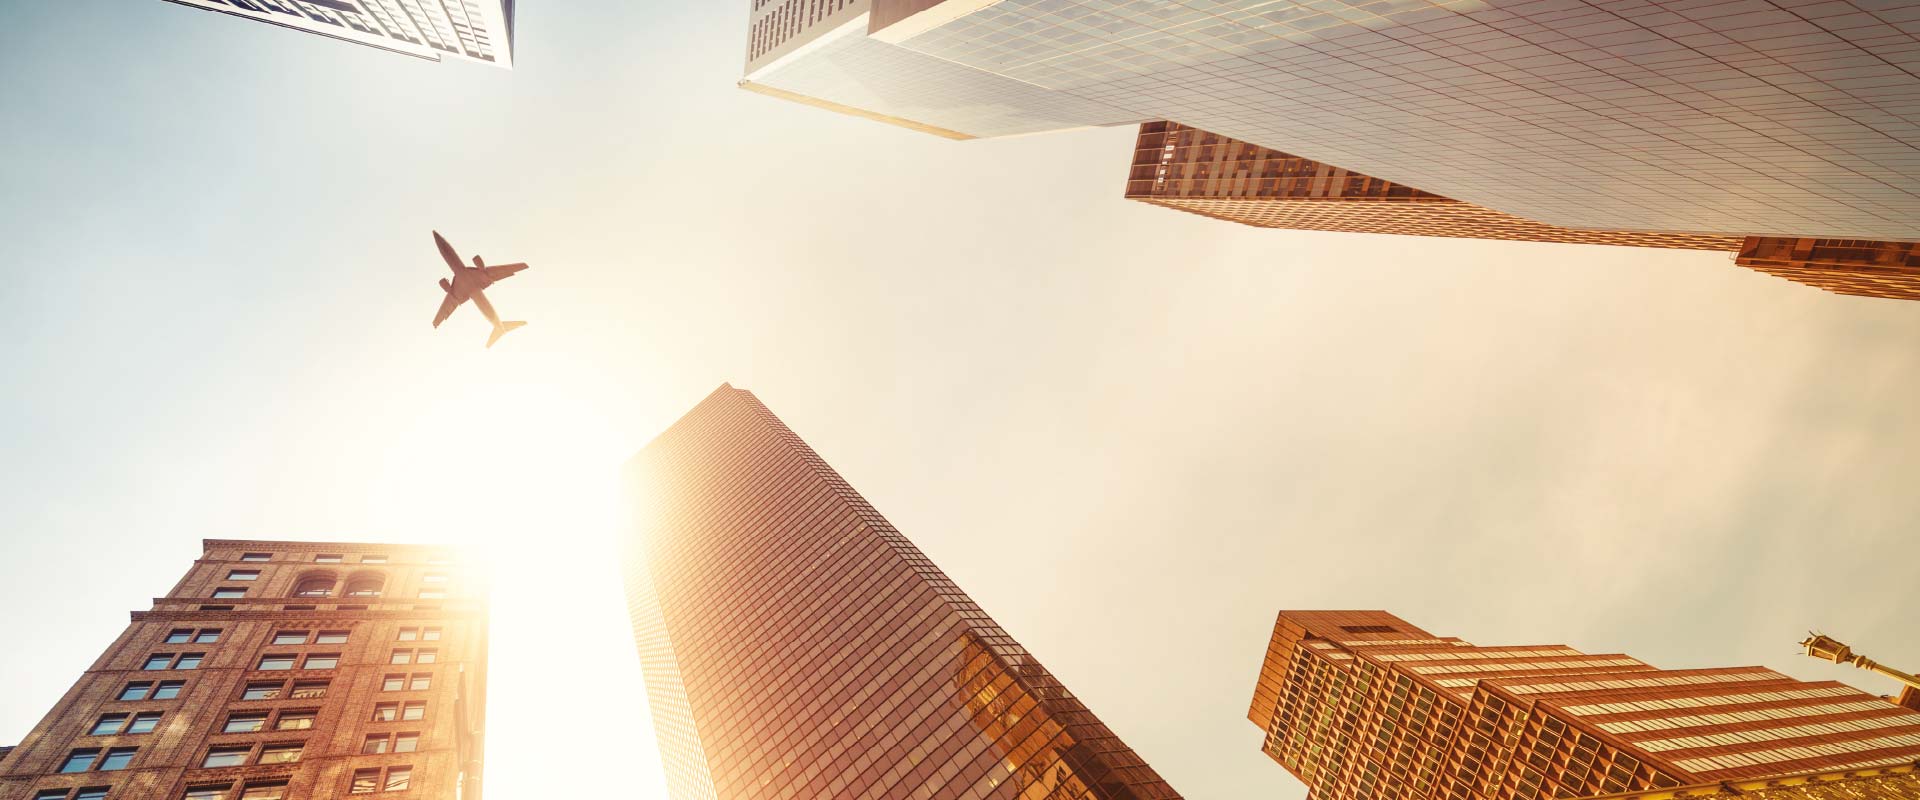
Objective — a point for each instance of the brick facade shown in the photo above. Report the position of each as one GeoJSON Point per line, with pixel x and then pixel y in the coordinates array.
{"type": "Point", "coordinates": [227, 632]}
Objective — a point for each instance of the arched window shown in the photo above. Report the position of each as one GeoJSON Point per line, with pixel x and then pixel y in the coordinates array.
{"type": "Point", "coordinates": [365, 586]}
{"type": "Point", "coordinates": [314, 586]}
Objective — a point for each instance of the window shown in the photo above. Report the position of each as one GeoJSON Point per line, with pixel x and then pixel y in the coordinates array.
{"type": "Point", "coordinates": [262, 690]}
{"type": "Point", "coordinates": [427, 594]}
{"type": "Point", "coordinates": [277, 661]}
{"type": "Point", "coordinates": [373, 746]}
{"type": "Point", "coordinates": [117, 758]}
{"type": "Point", "coordinates": [435, 577]}
{"type": "Point", "coordinates": [264, 791]}
{"type": "Point", "coordinates": [413, 711]}
{"type": "Point", "coordinates": [229, 756]}
{"type": "Point", "coordinates": [313, 587]}
{"type": "Point", "coordinates": [406, 742]}
{"type": "Point", "coordinates": [331, 637]}
{"type": "Point", "coordinates": [80, 760]}
{"type": "Point", "coordinates": [368, 781]}
{"type": "Point", "coordinates": [157, 661]}
{"type": "Point", "coordinates": [50, 794]}
{"type": "Point", "coordinates": [189, 661]}
{"type": "Point", "coordinates": [365, 587]}
{"type": "Point", "coordinates": [216, 608]}
{"type": "Point", "coordinates": [425, 657]}
{"type": "Point", "coordinates": [248, 722]}
{"type": "Point", "coordinates": [386, 712]}
{"type": "Point", "coordinates": [409, 634]}
{"type": "Point", "coordinates": [295, 720]}
{"type": "Point", "coordinates": [167, 690]}
{"type": "Point", "coordinates": [299, 608]}
{"type": "Point", "coordinates": [144, 722]}
{"type": "Point", "coordinates": [91, 793]}
{"type": "Point", "coordinates": [229, 592]}
{"type": "Point", "coordinates": [327, 558]}
{"type": "Point", "coordinates": [136, 690]}
{"type": "Point", "coordinates": [422, 681]}
{"type": "Point", "coordinates": [309, 690]}
{"type": "Point", "coordinates": [243, 575]}
{"type": "Point", "coordinates": [207, 636]}
{"type": "Point", "coordinates": [323, 661]}
{"type": "Point", "coordinates": [108, 725]}
{"type": "Point", "coordinates": [373, 559]}
{"type": "Point", "coordinates": [289, 637]}
{"type": "Point", "coordinates": [206, 793]}
{"type": "Point", "coordinates": [256, 556]}
{"type": "Point", "coordinates": [394, 683]}
{"type": "Point", "coordinates": [178, 636]}
{"type": "Point", "coordinates": [430, 634]}
{"type": "Point", "coordinates": [398, 657]}
{"type": "Point", "coordinates": [281, 753]}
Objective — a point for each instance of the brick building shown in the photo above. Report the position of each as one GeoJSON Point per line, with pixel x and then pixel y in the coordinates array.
{"type": "Point", "coordinates": [1187, 169]}
{"type": "Point", "coordinates": [1362, 705]}
{"type": "Point", "coordinates": [279, 671]}
{"type": "Point", "coordinates": [796, 645]}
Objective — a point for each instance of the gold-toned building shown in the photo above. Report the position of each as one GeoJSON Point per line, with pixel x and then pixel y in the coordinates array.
{"type": "Point", "coordinates": [279, 670]}
{"type": "Point", "coordinates": [1882, 783]}
{"type": "Point", "coordinates": [1191, 170]}
{"type": "Point", "coordinates": [796, 645]}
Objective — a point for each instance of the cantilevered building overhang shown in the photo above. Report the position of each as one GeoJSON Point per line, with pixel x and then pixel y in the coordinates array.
{"type": "Point", "coordinates": [470, 30]}
{"type": "Point", "coordinates": [1789, 118]}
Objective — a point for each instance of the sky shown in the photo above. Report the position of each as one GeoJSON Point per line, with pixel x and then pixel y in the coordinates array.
{"type": "Point", "coordinates": [1133, 435]}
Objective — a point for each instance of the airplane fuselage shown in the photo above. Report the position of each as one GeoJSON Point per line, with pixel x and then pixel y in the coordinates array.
{"type": "Point", "coordinates": [470, 283]}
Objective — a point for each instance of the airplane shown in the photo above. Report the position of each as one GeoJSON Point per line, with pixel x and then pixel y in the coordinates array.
{"type": "Point", "coordinates": [468, 284]}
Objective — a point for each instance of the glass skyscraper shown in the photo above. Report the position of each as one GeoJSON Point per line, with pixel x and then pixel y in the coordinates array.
{"type": "Point", "coordinates": [796, 645]}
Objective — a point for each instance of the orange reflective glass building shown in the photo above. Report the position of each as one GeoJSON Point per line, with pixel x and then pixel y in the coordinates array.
{"type": "Point", "coordinates": [1362, 705]}
{"type": "Point", "coordinates": [796, 645]}
{"type": "Point", "coordinates": [1187, 169]}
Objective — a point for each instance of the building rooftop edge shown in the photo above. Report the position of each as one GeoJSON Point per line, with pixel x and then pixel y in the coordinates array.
{"type": "Point", "coordinates": [299, 544]}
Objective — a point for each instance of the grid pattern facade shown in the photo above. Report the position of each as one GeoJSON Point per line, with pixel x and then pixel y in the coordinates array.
{"type": "Point", "coordinates": [1361, 705]}
{"type": "Point", "coordinates": [279, 671]}
{"type": "Point", "coordinates": [1730, 117]}
{"type": "Point", "coordinates": [473, 30]}
{"type": "Point", "coordinates": [1842, 266]}
{"type": "Point", "coordinates": [1188, 169]}
{"type": "Point", "coordinates": [817, 653]}
{"type": "Point", "coordinates": [843, 67]}
{"type": "Point", "coordinates": [1883, 783]}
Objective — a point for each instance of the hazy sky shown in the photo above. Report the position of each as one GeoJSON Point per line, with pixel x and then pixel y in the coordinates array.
{"type": "Point", "coordinates": [1132, 434]}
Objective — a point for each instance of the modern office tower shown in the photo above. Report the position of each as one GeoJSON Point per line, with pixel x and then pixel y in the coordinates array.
{"type": "Point", "coordinates": [470, 30]}
{"type": "Point", "coordinates": [796, 645]}
{"type": "Point", "coordinates": [1187, 169]}
{"type": "Point", "coordinates": [279, 671]}
{"type": "Point", "coordinates": [1722, 117]}
{"type": "Point", "coordinates": [1362, 704]}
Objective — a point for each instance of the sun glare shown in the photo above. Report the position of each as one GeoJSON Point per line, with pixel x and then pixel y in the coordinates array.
{"type": "Point", "coordinates": [527, 479]}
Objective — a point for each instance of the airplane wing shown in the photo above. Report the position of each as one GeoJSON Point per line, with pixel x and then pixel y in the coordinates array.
{"type": "Point", "coordinates": [498, 271]}
{"type": "Point", "coordinates": [446, 308]}
{"type": "Point", "coordinates": [446, 252]}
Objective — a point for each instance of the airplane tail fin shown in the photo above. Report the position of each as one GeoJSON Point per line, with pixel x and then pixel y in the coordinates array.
{"type": "Point", "coordinates": [501, 330]}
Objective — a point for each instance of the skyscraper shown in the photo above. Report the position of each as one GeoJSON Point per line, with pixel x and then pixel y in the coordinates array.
{"type": "Point", "coordinates": [279, 671]}
{"type": "Point", "coordinates": [471, 30]}
{"type": "Point", "coordinates": [1723, 117]}
{"type": "Point", "coordinates": [1362, 704]}
{"type": "Point", "coordinates": [1188, 169]}
{"type": "Point", "coordinates": [796, 645]}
